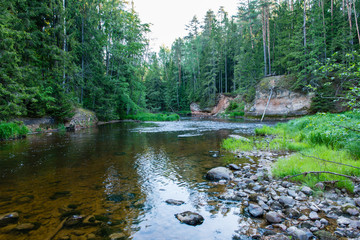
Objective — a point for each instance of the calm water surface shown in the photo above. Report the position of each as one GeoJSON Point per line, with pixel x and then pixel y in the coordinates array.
{"type": "Point", "coordinates": [123, 173]}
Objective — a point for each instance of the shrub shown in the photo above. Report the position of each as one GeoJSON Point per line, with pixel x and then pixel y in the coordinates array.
{"type": "Point", "coordinates": [12, 130]}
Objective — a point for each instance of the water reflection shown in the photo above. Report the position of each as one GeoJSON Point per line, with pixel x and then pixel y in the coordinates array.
{"type": "Point", "coordinates": [124, 173]}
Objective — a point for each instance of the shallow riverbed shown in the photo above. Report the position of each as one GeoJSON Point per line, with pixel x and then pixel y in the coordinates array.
{"type": "Point", "coordinates": [121, 173]}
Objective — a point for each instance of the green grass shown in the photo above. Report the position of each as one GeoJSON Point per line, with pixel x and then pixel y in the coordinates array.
{"type": "Point", "coordinates": [12, 130]}
{"type": "Point", "coordinates": [154, 117]}
{"type": "Point", "coordinates": [298, 163]}
{"type": "Point", "coordinates": [334, 137]}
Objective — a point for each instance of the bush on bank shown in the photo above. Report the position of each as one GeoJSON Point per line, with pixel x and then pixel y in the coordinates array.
{"type": "Point", "coordinates": [154, 117]}
{"type": "Point", "coordinates": [12, 130]}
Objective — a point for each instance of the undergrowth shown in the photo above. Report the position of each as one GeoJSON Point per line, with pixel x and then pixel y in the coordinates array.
{"type": "Point", "coordinates": [334, 137]}
{"type": "Point", "coordinates": [154, 117]}
{"type": "Point", "coordinates": [12, 130]}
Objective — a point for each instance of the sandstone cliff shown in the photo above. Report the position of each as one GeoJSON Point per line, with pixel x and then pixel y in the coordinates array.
{"type": "Point", "coordinates": [283, 102]}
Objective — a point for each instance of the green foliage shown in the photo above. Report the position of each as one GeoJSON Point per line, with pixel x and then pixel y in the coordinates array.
{"type": "Point", "coordinates": [235, 109]}
{"type": "Point", "coordinates": [12, 130]}
{"type": "Point", "coordinates": [153, 117]}
{"type": "Point", "coordinates": [297, 163]}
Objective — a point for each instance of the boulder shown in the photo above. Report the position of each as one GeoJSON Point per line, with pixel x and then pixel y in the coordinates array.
{"type": "Point", "coordinates": [219, 173]}
{"type": "Point", "coordinates": [190, 218]}
{"type": "Point", "coordinates": [273, 217]}
{"type": "Point", "coordinates": [299, 233]}
{"type": "Point", "coordinates": [307, 190]}
{"type": "Point", "coordinates": [287, 201]}
{"type": "Point", "coordinates": [255, 210]}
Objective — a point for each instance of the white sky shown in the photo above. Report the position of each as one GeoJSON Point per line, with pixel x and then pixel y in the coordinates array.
{"type": "Point", "coordinates": [169, 17]}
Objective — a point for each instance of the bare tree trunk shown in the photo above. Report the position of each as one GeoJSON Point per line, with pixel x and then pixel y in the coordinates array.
{"type": "Point", "coordinates": [304, 25]}
{"type": "Point", "coordinates": [356, 22]}
{"type": "Point", "coordinates": [264, 38]}
{"type": "Point", "coordinates": [292, 5]}
{"type": "Point", "coordinates": [251, 32]}
{"type": "Point", "coordinates": [348, 5]}
{"type": "Point", "coordinates": [268, 35]}
{"type": "Point", "coordinates": [82, 58]}
{"type": "Point", "coordinates": [64, 45]}
{"type": "Point", "coordinates": [108, 54]}
{"type": "Point", "coordinates": [324, 27]}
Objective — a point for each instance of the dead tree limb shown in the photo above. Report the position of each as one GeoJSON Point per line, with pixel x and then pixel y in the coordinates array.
{"type": "Point", "coordinates": [271, 92]}
{"type": "Point", "coordinates": [330, 161]}
{"type": "Point", "coordinates": [58, 228]}
{"type": "Point", "coordinates": [319, 172]}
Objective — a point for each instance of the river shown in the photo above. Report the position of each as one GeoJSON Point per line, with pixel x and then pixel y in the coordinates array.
{"type": "Point", "coordinates": [121, 173]}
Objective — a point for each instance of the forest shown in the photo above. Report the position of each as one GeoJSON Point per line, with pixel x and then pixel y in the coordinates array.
{"type": "Point", "coordinates": [57, 55]}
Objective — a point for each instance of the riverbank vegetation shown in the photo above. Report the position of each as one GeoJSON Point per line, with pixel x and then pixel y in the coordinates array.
{"type": "Point", "coordinates": [319, 143]}
{"type": "Point", "coordinates": [154, 117]}
{"type": "Point", "coordinates": [12, 130]}
{"type": "Point", "coordinates": [57, 55]}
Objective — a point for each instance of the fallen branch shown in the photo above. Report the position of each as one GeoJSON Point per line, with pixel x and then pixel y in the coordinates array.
{"type": "Point", "coordinates": [319, 172]}
{"type": "Point", "coordinates": [59, 227]}
{"type": "Point", "coordinates": [330, 161]}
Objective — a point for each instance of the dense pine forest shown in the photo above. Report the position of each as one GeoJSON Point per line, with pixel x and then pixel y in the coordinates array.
{"type": "Point", "coordinates": [57, 55]}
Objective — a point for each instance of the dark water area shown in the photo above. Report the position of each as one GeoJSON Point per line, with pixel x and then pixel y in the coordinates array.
{"type": "Point", "coordinates": [121, 173]}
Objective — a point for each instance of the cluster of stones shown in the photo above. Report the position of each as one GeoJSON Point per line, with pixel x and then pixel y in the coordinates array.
{"type": "Point", "coordinates": [290, 211]}
{"type": "Point", "coordinates": [9, 222]}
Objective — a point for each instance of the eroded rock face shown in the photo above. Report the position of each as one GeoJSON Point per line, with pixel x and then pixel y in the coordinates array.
{"type": "Point", "coordinates": [219, 173]}
{"type": "Point", "coordinates": [283, 103]}
{"type": "Point", "coordinates": [190, 218]}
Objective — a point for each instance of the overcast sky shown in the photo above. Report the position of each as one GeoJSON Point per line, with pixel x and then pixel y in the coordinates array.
{"type": "Point", "coordinates": [169, 17]}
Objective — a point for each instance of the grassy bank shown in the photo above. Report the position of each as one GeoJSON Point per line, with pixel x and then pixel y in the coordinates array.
{"type": "Point", "coordinates": [154, 117]}
{"type": "Point", "coordinates": [12, 130]}
{"type": "Point", "coordinates": [311, 139]}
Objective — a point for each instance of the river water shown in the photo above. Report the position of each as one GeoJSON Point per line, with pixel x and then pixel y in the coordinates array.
{"type": "Point", "coordinates": [121, 173]}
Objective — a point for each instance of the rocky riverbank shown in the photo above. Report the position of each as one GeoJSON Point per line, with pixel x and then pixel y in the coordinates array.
{"type": "Point", "coordinates": [286, 210]}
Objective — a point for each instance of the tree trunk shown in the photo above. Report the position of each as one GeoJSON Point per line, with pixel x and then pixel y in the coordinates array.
{"type": "Point", "coordinates": [264, 39]}
{"type": "Point", "coordinates": [324, 27]}
{"type": "Point", "coordinates": [251, 32]}
{"type": "Point", "coordinates": [356, 23]}
{"type": "Point", "coordinates": [82, 59]}
{"type": "Point", "coordinates": [268, 35]}
{"type": "Point", "coordinates": [348, 5]}
{"type": "Point", "coordinates": [304, 25]}
{"type": "Point", "coordinates": [64, 46]}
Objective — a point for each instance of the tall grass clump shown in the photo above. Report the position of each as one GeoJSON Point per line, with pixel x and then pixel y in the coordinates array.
{"type": "Point", "coordinates": [299, 163]}
{"type": "Point", "coordinates": [12, 130]}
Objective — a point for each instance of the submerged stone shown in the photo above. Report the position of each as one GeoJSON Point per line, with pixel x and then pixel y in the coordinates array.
{"type": "Point", "coordinates": [8, 218]}
{"type": "Point", "coordinates": [57, 195]}
{"type": "Point", "coordinates": [190, 218]}
{"type": "Point", "coordinates": [174, 202]}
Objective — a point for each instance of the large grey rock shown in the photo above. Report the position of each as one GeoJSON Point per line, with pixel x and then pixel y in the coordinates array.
{"type": "Point", "coordinates": [307, 190]}
{"type": "Point", "coordinates": [190, 218]}
{"type": "Point", "coordinates": [219, 173]}
{"type": "Point", "coordinates": [255, 210]}
{"type": "Point", "coordinates": [8, 218]}
{"type": "Point", "coordinates": [299, 233]}
{"type": "Point", "coordinates": [273, 217]}
{"type": "Point", "coordinates": [314, 216]}
{"type": "Point", "coordinates": [287, 201]}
